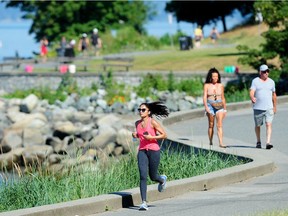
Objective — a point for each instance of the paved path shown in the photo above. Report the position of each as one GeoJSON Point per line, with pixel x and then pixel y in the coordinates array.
{"type": "Point", "coordinates": [265, 193]}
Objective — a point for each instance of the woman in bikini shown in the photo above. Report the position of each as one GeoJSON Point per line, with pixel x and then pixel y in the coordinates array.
{"type": "Point", "coordinates": [148, 130]}
{"type": "Point", "coordinates": [215, 104]}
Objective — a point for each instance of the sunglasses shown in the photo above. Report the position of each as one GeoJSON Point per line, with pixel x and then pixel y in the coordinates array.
{"type": "Point", "coordinates": [141, 110]}
{"type": "Point", "coordinates": [267, 71]}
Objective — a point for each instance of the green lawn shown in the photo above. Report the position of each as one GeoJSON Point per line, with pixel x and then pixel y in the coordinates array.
{"type": "Point", "coordinates": [224, 53]}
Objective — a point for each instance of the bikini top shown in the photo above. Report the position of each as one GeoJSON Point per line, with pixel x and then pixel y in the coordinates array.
{"type": "Point", "coordinates": [214, 91]}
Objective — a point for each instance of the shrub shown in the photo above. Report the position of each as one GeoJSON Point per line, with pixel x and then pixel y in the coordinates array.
{"type": "Point", "coordinates": [192, 87]}
{"type": "Point", "coordinates": [149, 83]}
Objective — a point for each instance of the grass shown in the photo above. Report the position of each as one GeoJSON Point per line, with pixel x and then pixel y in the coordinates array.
{"type": "Point", "coordinates": [197, 60]}
{"type": "Point", "coordinates": [42, 188]}
{"type": "Point", "coordinates": [219, 55]}
{"type": "Point", "coordinates": [273, 213]}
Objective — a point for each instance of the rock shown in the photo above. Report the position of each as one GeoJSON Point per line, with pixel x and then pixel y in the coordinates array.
{"type": "Point", "coordinates": [34, 155]}
{"type": "Point", "coordinates": [106, 135]}
{"type": "Point", "coordinates": [11, 139]}
{"type": "Point", "coordinates": [124, 139]}
{"type": "Point", "coordinates": [83, 103]}
{"type": "Point", "coordinates": [65, 127]}
{"type": "Point", "coordinates": [35, 120]}
{"type": "Point", "coordinates": [2, 105]}
{"type": "Point", "coordinates": [109, 148]}
{"type": "Point", "coordinates": [8, 160]}
{"type": "Point", "coordinates": [80, 128]}
{"type": "Point", "coordinates": [184, 105]}
{"type": "Point", "coordinates": [30, 102]}
{"type": "Point", "coordinates": [55, 158]}
{"type": "Point", "coordinates": [172, 105]}
{"type": "Point", "coordinates": [32, 137]}
{"type": "Point", "coordinates": [108, 119]}
{"type": "Point", "coordinates": [82, 117]}
{"type": "Point", "coordinates": [118, 151]}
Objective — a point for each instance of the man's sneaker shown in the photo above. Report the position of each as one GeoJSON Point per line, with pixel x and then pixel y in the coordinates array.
{"type": "Point", "coordinates": [162, 186]}
{"type": "Point", "coordinates": [143, 206]}
{"type": "Point", "coordinates": [269, 146]}
{"type": "Point", "coordinates": [258, 145]}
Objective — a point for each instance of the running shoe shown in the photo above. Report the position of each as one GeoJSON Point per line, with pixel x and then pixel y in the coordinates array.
{"type": "Point", "coordinates": [162, 186]}
{"type": "Point", "coordinates": [143, 206]}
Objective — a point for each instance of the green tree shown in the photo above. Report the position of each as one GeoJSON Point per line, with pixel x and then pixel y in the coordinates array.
{"type": "Point", "coordinates": [205, 12]}
{"type": "Point", "coordinates": [274, 51]}
{"type": "Point", "coordinates": [55, 18]}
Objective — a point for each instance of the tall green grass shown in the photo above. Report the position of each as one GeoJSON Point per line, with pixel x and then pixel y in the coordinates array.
{"type": "Point", "coordinates": [42, 188]}
{"type": "Point", "coordinates": [272, 213]}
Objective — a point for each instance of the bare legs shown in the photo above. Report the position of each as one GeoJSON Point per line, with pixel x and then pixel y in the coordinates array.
{"type": "Point", "coordinates": [268, 132]}
{"type": "Point", "coordinates": [210, 127]}
{"type": "Point", "coordinates": [257, 132]}
{"type": "Point", "coordinates": [219, 120]}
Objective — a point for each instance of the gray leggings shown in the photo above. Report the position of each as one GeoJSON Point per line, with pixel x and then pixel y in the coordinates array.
{"type": "Point", "coordinates": [148, 160]}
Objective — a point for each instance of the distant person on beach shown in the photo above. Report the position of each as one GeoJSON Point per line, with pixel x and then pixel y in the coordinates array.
{"type": "Point", "coordinates": [215, 104]}
{"type": "Point", "coordinates": [214, 35]}
{"type": "Point", "coordinates": [44, 48]}
{"type": "Point", "coordinates": [198, 34]}
{"type": "Point", "coordinates": [264, 99]}
{"type": "Point", "coordinates": [148, 130]}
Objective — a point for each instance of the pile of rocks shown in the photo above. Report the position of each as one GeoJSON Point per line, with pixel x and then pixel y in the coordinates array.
{"type": "Point", "coordinates": [73, 132]}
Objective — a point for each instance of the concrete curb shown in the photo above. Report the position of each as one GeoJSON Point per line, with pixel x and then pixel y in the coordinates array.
{"type": "Point", "coordinates": [89, 206]}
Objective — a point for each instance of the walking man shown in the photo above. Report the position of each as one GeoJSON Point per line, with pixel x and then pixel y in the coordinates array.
{"type": "Point", "coordinates": [264, 99]}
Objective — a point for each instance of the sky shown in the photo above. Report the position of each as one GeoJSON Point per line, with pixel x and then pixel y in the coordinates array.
{"type": "Point", "coordinates": [14, 34]}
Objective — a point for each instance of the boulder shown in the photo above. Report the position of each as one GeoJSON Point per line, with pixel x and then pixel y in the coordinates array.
{"type": "Point", "coordinates": [34, 155]}
{"type": "Point", "coordinates": [30, 102]}
{"type": "Point", "coordinates": [124, 139]}
{"type": "Point", "coordinates": [106, 135]}
{"type": "Point", "coordinates": [33, 137]}
{"type": "Point", "coordinates": [11, 139]}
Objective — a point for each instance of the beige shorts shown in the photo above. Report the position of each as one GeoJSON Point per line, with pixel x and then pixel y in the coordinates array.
{"type": "Point", "coordinates": [261, 115]}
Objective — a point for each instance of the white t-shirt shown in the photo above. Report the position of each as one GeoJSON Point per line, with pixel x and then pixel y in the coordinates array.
{"type": "Point", "coordinates": [263, 93]}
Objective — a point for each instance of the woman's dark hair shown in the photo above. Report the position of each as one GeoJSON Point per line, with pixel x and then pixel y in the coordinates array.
{"type": "Point", "coordinates": [157, 108]}
{"type": "Point", "coordinates": [209, 75]}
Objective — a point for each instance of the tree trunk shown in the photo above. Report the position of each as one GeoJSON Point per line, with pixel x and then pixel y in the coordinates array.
{"type": "Point", "coordinates": [224, 23]}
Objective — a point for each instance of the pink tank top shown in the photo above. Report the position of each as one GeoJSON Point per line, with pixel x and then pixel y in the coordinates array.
{"type": "Point", "coordinates": [147, 144]}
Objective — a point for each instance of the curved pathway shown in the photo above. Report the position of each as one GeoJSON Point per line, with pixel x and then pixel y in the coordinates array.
{"type": "Point", "coordinates": [265, 193]}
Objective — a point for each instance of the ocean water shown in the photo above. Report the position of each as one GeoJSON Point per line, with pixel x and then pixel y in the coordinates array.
{"type": "Point", "coordinates": [14, 37]}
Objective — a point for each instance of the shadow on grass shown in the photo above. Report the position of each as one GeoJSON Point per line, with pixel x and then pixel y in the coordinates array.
{"type": "Point", "coordinates": [229, 54]}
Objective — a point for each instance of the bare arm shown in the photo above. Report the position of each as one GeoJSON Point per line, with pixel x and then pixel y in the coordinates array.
{"type": "Point", "coordinates": [223, 97]}
{"type": "Point", "coordinates": [252, 96]}
{"type": "Point", "coordinates": [205, 90]}
{"type": "Point", "coordinates": [274, 99]}
{"type": "Point", "coordinates": [134, 134]}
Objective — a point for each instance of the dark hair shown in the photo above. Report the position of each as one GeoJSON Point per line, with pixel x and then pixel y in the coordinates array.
{"type": "Point", "coordinates": [157, 108]}
{"type": "Point", "coordinates": [209, 75]}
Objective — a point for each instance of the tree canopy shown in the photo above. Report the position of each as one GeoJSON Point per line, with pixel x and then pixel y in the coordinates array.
{"type": "Point", "coordinates": [206, 12]}
{"type": "Point", "coordinates": [274, 51]}
{"type": "Point", "coordinates": [55, 18]}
